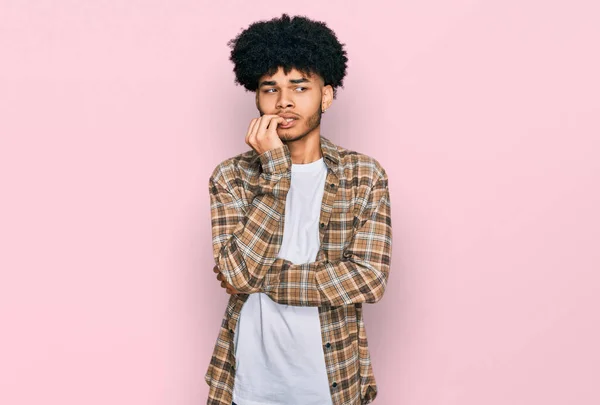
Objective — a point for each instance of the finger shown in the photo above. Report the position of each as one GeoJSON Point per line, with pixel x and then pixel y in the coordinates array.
{"type": "Point", "coordinates": [223, 284]}
{"type": "Point", "coordinates": [262, 126]}
{"type": "Point", "coordinates": [273, 125]}
{"type": "Point", "coordinates": [254, 131]}
{"type": "Point", "coordinates": [216, 269]}
{"type": "Point", "coordinates": [230, 287]}
{"type": "Point", "coordinates": [251, 129]}
{"type": "Point", "coordinates": [220, 277]}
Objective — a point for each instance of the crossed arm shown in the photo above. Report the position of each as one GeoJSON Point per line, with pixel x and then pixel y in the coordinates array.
{"type": "Point", "coordinates": [246, 242]}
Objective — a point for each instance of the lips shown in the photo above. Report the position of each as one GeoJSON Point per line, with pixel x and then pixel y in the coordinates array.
{"type": "Point", "coordinates": [287, 124]}
{"type": "Point", "coordinates": [290, 120]}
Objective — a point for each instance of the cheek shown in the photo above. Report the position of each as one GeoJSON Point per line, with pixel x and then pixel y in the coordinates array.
{"type": "Point", "coordinates": [265, 103]}
{"type": "Point", "coordinates": [308, 107]}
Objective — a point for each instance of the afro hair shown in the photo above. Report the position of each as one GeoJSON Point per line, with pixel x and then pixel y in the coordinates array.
{"type": "Point", "coordinates": [306, 45]}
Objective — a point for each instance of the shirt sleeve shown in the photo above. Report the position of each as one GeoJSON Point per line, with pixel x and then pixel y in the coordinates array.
{"type": "Point", "coordinates": [360, 277]}
{"type": "Point", "coordinates": [245, 241]}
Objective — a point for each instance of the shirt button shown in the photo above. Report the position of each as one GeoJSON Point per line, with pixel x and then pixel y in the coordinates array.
{"type": "Point", "coordinates": [231, 330]}
{"type": "Point", "coordinates": [332, 185]}
{"type": "Point", "coordinates": [328, 345]}
{"type": "Point", "coordinates": [322, 225]}
{"type": "Point", "coordinates": [334, 384]}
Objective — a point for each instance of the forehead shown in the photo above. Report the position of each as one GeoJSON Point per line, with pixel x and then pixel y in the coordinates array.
{"type": "Point", "coordinates": [280, 77]}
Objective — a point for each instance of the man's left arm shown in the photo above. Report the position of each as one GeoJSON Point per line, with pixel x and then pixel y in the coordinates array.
{"type": "Point", "coordinates": [360, 277]}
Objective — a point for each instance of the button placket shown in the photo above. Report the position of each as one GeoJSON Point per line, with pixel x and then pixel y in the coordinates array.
{"type": "Point", "coordinates": [328, 200]}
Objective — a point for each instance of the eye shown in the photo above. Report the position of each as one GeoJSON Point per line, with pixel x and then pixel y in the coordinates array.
{"type": "Point", "coordinates": [298, 89]}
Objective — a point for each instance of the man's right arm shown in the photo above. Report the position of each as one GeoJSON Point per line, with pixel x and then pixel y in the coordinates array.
{"type": "Point", "coordinates": [244, 240]}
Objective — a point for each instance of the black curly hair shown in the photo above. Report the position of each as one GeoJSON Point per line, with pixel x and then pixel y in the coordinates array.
{"type": "Point", "coordinates": [306, 45]}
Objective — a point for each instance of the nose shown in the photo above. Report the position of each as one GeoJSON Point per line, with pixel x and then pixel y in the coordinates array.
{"type": "Point", "coordinates": [285, 99]}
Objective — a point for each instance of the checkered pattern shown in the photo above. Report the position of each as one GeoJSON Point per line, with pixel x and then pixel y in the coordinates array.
{"type": "Point", "coordinates": [247, 196]}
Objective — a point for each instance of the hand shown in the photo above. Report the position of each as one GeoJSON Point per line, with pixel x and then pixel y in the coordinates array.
{"type": "Point", "coordinates": [262, 133]}
{"type": "Point", "coordinates": [228, 287]}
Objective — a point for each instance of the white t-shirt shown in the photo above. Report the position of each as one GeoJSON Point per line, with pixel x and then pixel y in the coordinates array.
{"type": "Point", "coordinates": [278, 348]}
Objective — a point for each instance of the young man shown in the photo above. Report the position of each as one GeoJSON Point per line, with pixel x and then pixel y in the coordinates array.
{"type": "Point", "coordinates": [301, 232]}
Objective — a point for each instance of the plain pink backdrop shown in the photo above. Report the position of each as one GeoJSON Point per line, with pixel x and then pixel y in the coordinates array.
{"type": "Point", "coordinates": [485, 115]}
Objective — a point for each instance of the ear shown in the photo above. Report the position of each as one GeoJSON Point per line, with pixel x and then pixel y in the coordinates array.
{"type": "Point", "coordinates": [327, 97]}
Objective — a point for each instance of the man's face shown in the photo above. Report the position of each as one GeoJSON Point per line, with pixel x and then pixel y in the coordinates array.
{"type": "Point", "coordinates": [296, 94]}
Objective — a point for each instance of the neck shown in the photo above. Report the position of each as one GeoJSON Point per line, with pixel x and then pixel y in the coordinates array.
{"type": "Point", "coordinates": [306, 149]}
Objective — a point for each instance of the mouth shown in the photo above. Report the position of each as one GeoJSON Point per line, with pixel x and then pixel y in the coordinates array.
{"type": "Point", "coordinates": [288, 123]}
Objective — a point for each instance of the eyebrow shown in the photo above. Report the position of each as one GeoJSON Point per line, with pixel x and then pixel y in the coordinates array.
{"type": "Point", "coordinates": [292, 81]}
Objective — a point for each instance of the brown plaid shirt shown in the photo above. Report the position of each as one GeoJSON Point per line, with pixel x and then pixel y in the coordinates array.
{"type": "Point", "coordinates": [247, 202]}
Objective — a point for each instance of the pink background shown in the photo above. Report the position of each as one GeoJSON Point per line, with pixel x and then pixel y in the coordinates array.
{"type": "Point", "coordinates": [484, 114]}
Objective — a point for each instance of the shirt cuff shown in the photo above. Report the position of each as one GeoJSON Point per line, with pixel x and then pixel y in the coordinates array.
{"type": "Point", "coordinates": [277, 160]}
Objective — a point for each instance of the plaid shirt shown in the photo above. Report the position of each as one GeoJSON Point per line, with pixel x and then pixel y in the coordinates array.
{"type": "Point", "coordinates": [247, 196]}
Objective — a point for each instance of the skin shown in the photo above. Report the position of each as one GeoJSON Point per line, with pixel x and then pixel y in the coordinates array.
{"type": "Point", "coordinates": [304, 95]}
